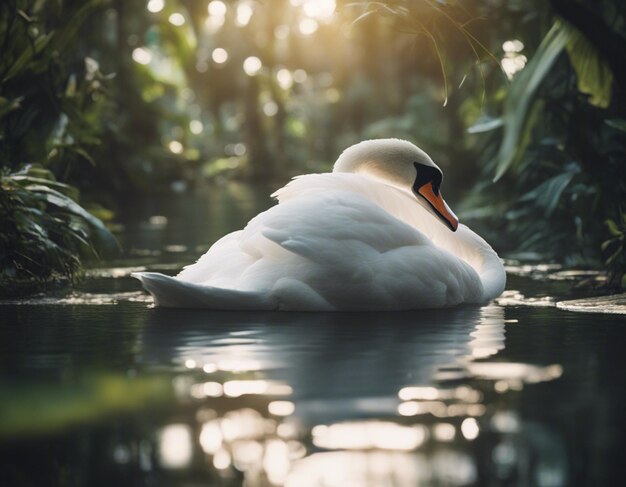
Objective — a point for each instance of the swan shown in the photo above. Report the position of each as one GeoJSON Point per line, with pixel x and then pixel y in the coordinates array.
{"type": "Point", "coordinates": [373, 234]}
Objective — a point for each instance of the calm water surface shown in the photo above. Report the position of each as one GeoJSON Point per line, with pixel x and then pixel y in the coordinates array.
{"type": "Point", "coordinates": [98, 388]}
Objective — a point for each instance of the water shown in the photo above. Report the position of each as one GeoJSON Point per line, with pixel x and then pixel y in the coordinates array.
{"type": "Point", "coordinates": [98, 388]}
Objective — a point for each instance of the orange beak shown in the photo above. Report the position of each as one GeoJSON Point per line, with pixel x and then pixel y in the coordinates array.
{"type": "Point", "coordinates": [439, 206]}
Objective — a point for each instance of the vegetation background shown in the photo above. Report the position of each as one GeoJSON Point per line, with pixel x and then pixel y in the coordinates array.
{"type": "Point", "coordinates": [522, 103]}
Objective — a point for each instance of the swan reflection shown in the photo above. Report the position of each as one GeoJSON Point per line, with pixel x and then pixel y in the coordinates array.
{"type": "Point", "coordinates": [352, 399]}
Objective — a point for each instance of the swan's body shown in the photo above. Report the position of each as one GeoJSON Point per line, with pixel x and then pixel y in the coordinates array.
{"type": "Point", "coordinates": [353, 239]}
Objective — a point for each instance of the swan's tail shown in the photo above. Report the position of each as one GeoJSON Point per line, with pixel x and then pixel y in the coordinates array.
{"type": "Point", "coordinates": [170, 292]}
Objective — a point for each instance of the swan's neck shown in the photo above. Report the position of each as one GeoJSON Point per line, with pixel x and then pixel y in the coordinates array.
{"type": "Point", "coordinates": [383, 163]}
{"type": "Point", "coordinates": [396, 176]}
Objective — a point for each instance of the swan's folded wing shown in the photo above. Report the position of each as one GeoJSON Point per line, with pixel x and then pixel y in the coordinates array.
{"type": "Point", "coordinates": [357, 256]}
{"type": "Point", "coordinates": [170, 292]}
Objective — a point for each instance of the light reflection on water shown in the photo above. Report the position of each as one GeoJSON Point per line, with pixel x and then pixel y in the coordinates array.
{"type": "Point", "coordinates": [317, 399]}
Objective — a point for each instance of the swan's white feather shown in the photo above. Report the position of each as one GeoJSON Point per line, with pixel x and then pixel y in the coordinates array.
{"type": "Point", "coordinates": [338, 241]}
{"type": "Point", "coordinates": [171, 292]}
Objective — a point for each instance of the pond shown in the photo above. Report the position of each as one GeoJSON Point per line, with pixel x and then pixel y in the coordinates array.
{"type": "Point", "coordinates": [99, 388]}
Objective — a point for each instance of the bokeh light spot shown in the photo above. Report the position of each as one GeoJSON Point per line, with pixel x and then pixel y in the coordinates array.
{"type": "Point", "coordinates": [308, 26]}
{"type": "Point", "coordinates": [196, 127]}
{"type": "Point", "coordinates": [281, 32]}
{"type": "Point", "coordinates": [300, 76]}
{"type": "Point", "coordinates": [176, 19]}
{"type": "Point", "coordinates": [177, 148]}
{"type": "Point", "coordinates": [155, 6]}
{"type": "Point", "coordinates": [220, 55]}
{"type": "Point", "coordinates": [142, 55]}
{"type": "Point", "coordinates": [270, 108]}
{"type": "Point", "coordinates": [244, 14]}
{"type": "Point", "coordinates": [252, 65]}
{"type": "Point", "coordinates": [319, 9]}
{"type": "Point", "coordinates": [284, 78]}
{"type": "Point", "coordinates": [217, 8]}
{"type": "Point", "coordinates": [470, 428]}
{"type": "Point", "coordinates": [513, 46]}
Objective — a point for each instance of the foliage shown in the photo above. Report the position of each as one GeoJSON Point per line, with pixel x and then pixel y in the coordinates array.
{"type": "Point", "coordinates": [49, 104]}
{"type": "Point", "coordinates": [43, 230]}
{"type": "Point", "coordinates": [522, 93]}
{"type": "Point", "coordinates": [438, 23]}
{"type": "Point", "coordinates": [615, 250]}
{"type": "Point", "coordinates": [180, 100]}
{"type": "Point", "coordinates": [50, 110]}
{"type": "Point", "coordinates": [559, 163]}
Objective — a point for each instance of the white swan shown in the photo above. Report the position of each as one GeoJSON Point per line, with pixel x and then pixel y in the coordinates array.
{"type": "Point", "coordinates": [375, 234]}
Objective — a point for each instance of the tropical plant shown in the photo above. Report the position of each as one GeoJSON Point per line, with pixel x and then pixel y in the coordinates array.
{"type": "Point", "coordinates": [49, 101]}
{"type": "Point", "coordinates": [44, 232]}
{"type": "Point", "coordinates": [558, 160]}
{"type": "Point", "coordinates": [50, 108]}
{"type": "Point", "coordinates": [615, 251]}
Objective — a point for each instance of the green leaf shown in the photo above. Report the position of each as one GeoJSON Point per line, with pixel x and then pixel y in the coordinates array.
{"type": "Point", "coordinates": [614, 256]}
{"type": "Point", "coordinates": [37, 171]}
{"type": "Point", "coordinates": [65, 35]}
{"type": "Point", "coordinates": [58, 135]}
{"type": "Point", "coordinates": [485, 124]}
{"type": "Point", "coordinates": [548, 193]}
{"type": "Point", "coordinates": [27, 225]}
{"type": "Point", "coordinates": [607, 243]}
{"type": "Point", "coordinates": [104, 238]}
{"type": "Point", "coordinates": [82, 241]}
{"type": "Point", "coordinates": [522, 92]}
{"type": "Point", "coordinates": [617, 123]}
{"type": "Point", "coordinates": [85, 155]}
{"type": "Point", "coordinates": [7, 106]}
{"type": "Point", "coordinates": [594, 76]}
{"type": "Point", "coordinates": [21, 63]}
{"type": "Point", "coordinates": [613, 228]}
{"type": "Point", "coordinates": [66, 189]}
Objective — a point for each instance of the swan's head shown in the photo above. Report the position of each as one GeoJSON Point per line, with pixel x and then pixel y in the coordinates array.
{"type": "Point", "coordinates": [404, 165]}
